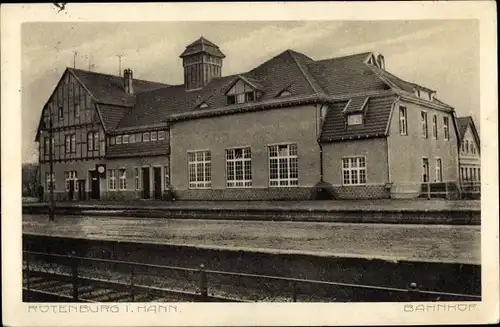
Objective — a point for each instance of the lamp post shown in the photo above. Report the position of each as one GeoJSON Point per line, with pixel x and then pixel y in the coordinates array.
{"type": "Point", "coordinates": [51, 169]}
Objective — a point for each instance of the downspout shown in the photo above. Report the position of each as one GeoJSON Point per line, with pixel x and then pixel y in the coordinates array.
{"type": "Point", "coordinates": [318, 134]}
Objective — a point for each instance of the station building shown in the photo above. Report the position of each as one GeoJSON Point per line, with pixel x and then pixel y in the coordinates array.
{"type": "Point", "coordinates": [283, 130]}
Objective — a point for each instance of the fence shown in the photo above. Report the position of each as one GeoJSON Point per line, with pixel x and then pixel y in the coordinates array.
{"type": "Point", "coordinates": [136, 281]}
{"type": "Point", "coordinates": [471, 189]}
{"type": "Point", "coordinates": [444, 190]}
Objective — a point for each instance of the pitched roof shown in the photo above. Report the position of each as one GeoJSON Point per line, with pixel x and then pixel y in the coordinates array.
{"type": "Point", "coordinates": [378, 111]}
{"type": "Point", "coordinates": [112, 115]}
{"type": "Point", "coordinates": [202, 45]}
{"type": "Point", "coordinates": [109, 89]}
{"type": "Point", "coordinates": [271, 77]}
{"type": "Point", "coordinates": [463, 123]}
{"type": "Point", "coordinates": [346, 75]}
{"type": "Point", "coordinates": [154, 104]}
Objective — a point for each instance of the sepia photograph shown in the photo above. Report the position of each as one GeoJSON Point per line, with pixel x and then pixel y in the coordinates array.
{"type": "Point", "coordinates": [311, 161]}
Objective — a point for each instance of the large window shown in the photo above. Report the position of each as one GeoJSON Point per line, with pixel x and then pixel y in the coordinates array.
{"type": "Point", "coordinates": [354, 171]}
{"type": "Point", "coordinates": [68, 177]}
{"type": "Point", "coordinates": [283, 165]}
{"type": "Point", "coordinates": [123, 179]}
{"type": "Point", "coordinates": [200, 169]}
{"type": "Point", "coordinates": [145, 137]}
{"type": "Point", "coordinates": [239, 167]}
{"type": "Point", "coordinates": [434, 127]}
{"type": "Point", "coordinates": [423, 122]}
{"type": "Point", "coordinates": [125, 138]}
{"type": "Point", "coordinates": [50, 182]}
{"type": "Point", "coordinates": [439, 171]}
{"type": "Point", "coordinates": [403, 124]}
{"type": "Point", "coordinates": [446, 126]}
{"type": "Point", "coordinates": [161, 135]}
{"type": "Point", "coordinates": [70, 142]}
{"type": "Point", "coordinates": [46, 146]}
{"type": "Point", "coordinates": [93, 141]}
{"type": "Point", "coordinates": [137, 178]}
{"type": "Point", "coordinates": [112, 179]}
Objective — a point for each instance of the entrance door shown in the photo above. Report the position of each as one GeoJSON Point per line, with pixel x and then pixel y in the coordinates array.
{"type": "Point", "coordinates": [146, 193]}
{"type": "Point", "coordinates": [95, 192]}
{"type": "Point", "coordinates": [81, 189]}
{"type": "Point", "coordinates": [425, 170]}
{"type": "Point", "coordinates": [157, 182]}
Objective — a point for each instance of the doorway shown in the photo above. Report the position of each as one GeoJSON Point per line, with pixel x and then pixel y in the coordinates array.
{"type": "Point", "coordinates": [81, 189]}
{"type": "Point", "coordinates": [157, 182]}
{"type": "Point", "coordinates": [146, 192]}
{"type": "Point", "coordinates": [95, 191]}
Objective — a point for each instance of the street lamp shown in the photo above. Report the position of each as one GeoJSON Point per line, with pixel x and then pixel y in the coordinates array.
{"type": "Point", "coordinates": [51, 167]}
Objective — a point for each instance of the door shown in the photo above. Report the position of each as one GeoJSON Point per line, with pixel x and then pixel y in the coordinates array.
{"type": "Point", "coordinates": [146, 192]}
{"type": "Point", "coordinates": [81, 189]}
{"type": "Point", "coordinates": [95, 192]}
{"type": "Point", "coordinates": [157, 182]}
{"type": "Point", "coordinates": [425, 170]}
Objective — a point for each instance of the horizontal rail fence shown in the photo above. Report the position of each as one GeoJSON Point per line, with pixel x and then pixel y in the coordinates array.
{"type": "Point", "coordinates": [89, 279]}
{"type": "Point", "coordinates": [471, 189]}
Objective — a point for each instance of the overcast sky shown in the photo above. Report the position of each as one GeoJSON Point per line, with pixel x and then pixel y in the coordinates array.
{"type": "Point", "coordinates": [442, 55]}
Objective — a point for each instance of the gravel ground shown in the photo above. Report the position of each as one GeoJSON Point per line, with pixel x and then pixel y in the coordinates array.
{"type": "Point", "coordinates": [436, 243]}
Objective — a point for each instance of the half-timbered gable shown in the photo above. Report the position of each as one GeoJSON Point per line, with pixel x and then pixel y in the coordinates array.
{"type": "Point", "coordinates": [77, 132]}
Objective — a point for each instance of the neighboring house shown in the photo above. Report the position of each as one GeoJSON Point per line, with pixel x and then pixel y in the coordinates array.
{"type": "Point", "coordinates": [470, 151]}
{"type": "Point", "coordinates": [274, 132]}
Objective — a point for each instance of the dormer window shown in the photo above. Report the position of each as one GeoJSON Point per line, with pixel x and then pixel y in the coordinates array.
{"type": "Point", "coordinates": [241, 98]}
{"type": "Point", "coordinates": [203, 105]}
{"type": "Point", "coordinates": [241, 92]}
{"type": "Point", "coordinates": [426, 95]}
{"type": "Point", "coordinates": [356, 119]}
{"type": "Point", "coordinates": [284, 93]}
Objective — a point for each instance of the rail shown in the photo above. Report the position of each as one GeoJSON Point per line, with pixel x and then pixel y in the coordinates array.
{"type": "Point", "coordinates": [75, 270]}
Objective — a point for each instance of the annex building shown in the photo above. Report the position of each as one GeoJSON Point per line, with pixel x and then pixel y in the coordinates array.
{"type": "Point", "coordinates": [279, 131]}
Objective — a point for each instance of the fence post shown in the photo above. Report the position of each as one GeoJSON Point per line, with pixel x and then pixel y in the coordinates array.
{"type": "Point", "coordinates": [203, 283]}
{"type": "Point", "coordinates": [412, 291]}
{"type": "Point", "coordinates": [428, 190]}
{"type": "Point", "coordinates": [28, 273]}
{"type": "Point", "coordinates": [74, 275]}
{"type": "Point", "coordinates": [132, 293]}
{"type": "Point", "coordinates": [294, 291]}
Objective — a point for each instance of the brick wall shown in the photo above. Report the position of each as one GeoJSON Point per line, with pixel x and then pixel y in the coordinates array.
{"type": "Point", "coordinates": [285, 193]}
{"type": "Point", "coordinates": [361, 192]}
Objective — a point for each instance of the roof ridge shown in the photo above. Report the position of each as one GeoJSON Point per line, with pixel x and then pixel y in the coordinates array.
{"type": "Point", "coordinates": [344, 57]}
{"type": "Point", "coordinates": [112, 75]}
{"type": "Point", "coordinates": [307, 74]}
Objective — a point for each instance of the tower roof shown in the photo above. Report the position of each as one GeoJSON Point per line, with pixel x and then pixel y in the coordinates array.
{"type": "Point", "coordinates": [202, 45]}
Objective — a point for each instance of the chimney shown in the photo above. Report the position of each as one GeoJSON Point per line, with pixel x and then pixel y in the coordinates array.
{"type": "Point", "coordinates": [381, 61]}
{"type": "Point", "coordinates": [128, 81]}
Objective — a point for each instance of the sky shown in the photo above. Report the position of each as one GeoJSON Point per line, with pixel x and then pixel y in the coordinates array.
{"type": "Point", "coordinates": [441, 54]}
